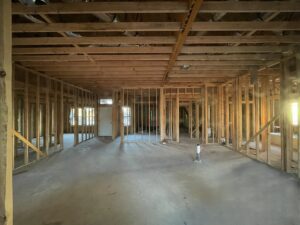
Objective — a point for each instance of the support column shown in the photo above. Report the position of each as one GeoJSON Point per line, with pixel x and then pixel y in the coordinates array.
{"type": "Point", "coordinates": [190, 113]}
{"type": "Point", "coordinates": [37, 116]}
{"type": "Point", "coordinates": [197, 121]}
{"type": "Point", "coordinates": [162, 112]}
{"type": "Point", "coordinates": [62, 122]}
{"type": "Point", "coordinates": [6, 151]}
{"type": "Point", "coordinates": [256, 99]}
{"type": "Point", "coordinates": [177, 115]}
{"type": "Point", "coordinates": [284, 117]}
{"type": "Point", "coordinates": [205, 127]}
{"type": "Point", "coordinates": [26, 118]}
{"type": "Point", "coordinates": [47, 117]}
{"type": "Point", "coordinates": [227, 135]}
{"type": "Point", "coordinates": [247, 114]}
{"type": "Point", "coordinates": [76, 138]}
{"type": "Point", "coordinates": [298, 77]}
{"type": "Point", "coordinates": [121, 117]}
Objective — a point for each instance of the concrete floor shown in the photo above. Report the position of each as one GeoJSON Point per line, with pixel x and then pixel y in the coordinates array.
{"type": "Point", "coordinates": [152, 184]}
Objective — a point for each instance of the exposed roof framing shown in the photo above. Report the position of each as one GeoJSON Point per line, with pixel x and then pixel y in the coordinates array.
{"type": "Point", "coordinates": [153, 43]}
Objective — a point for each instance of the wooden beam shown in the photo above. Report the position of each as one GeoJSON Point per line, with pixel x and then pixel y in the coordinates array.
{"type": "Point", "coordinates": [158, 57]}
{"type": "Point", "coordinates": [26, 116]}
{"type": "Point", "coordinates": [61, 58]}
{"type": "Point", "coordinates": [99, 50]}
{"type": "Point", "coordinates": [242, 39]}
{"type": "Point", "coordinates": [6, 121]}
{"type": "Point", "coordinates": [158, 26]}
{"type": "Point", "coordinates": [182, 36]}
{"type": "Point", "coordinates": [116, 40]}
{"type": "Point", "coordinates": [205, 126]}
{"type": "Point", "coordinates": [228, 57]}
{"type": "Point", "coordinates": [177, 128]}
{"type": "Point", "coordinates": [85, 69]}
{"type": "Point", "coordinates": [25, 141]}
{"type": "Point", "coordinates": [47, 116]}
{"type": "Point", "coordinates": [61, 117]}
{"type": "Point", "coordinates": [156, 7]}
{"type": "Point", "coordinates": [161, 49]}
{"type": "Point", "coordinates": [162, 115]}
{"type": "Point", "coordinates": [132, 63]}
{"type": "Point", "coordinates": [266, 125]}
{"type": "Point", "coordinates": [121, 116]}
{"type": "Point", "coordinates": [111, 40]}
{"type": "Point", "coordinates": [37, 116]}
{"type": "Point", "coordinates": [76, 114]}
{"type": "Point", "coordinates": [92, 27]}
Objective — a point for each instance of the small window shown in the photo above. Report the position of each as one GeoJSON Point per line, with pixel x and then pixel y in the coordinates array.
{"type": "Point", "coordinates": [106, 101]}
{"type": "Point", "coordinates": [126, 116]}
{"type": "Point", "coordinates": [89, 115]}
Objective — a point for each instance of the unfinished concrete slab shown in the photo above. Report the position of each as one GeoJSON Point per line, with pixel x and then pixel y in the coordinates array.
{"type": "Point", "coordinates": [103, 182]}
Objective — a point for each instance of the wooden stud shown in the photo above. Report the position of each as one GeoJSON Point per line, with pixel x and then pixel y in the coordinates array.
{"type": "Point", "coordinates": [298, 76]}
{"type": "Point", "coordinates": [256, 99]}
{"type": "Point", "coordinates": [47, 116]}
{"type": "Point", "coordinates": [61, 116]}
{"type": "Point", "coordinates": [122, 117]}
{"type": "Point", "coordinates": [205, 115]}
{"type": "Point", "coordinates": [37, 115]}
{"type": "Point", "coordinates": [247, 114]}
{"type": "Point", "coordinates": [177, 115]}
{"type": "Point", "coordinates": [197, 121]}
{"type": "Point", "coordinates": [26, 117]}
{"type": "Point", "coordinates": [227, 125]}
{"type": "Point", "coordinates": [6, 166]}
{"type": "Point", "coordinates": [76, 114]}
{"type": "Point", "coordinates": [162, 113]}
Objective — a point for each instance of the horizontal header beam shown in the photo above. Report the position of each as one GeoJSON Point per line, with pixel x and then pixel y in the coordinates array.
{"type": "Point", "coordinates": [146, 57]}
{"type": "Point", "coordinates": [154, 40]}
{"type": "Point", "coordinates": [157, 7]}
{"type": "Point", "coordinates": [138, 50]}
{"type": "Point", "coordinates": [153, 26]}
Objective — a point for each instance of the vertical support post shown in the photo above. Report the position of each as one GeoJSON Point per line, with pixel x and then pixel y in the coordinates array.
{"type": "Point", "coordinates": [205, 116]}
{"type": "Point", "coordinates": [240, 114]}
{"type": "Point", "coordinates": [62, 122]}
{"type": "Point", "coordinates": [26, 118]}
{"type": "Point", "coordinates": [227, 116]}
{"type": "Point", "coordinates": [149, 113]}
{"type": "Point", "coordinates": [76, 138]}
{"type": "Point", "coordinates": [247, 114]}
{"type": "Point", "coordinates": [6, 189]}
{"type": "Point", "coordinates": [134, 113]}
{"type": "Point", "coordinates": [298, 76]}
{"type": "Point", "coordinates": [156, 115]}
{"type": "Point", "coordinates": [96, 116]}
{"type": "Point", "coordinates": [177, 115]}
{"type": "Point", "coordinates": [15, 109]}
{"type": "Point", "coordinates": [162, 112]}
{"type": "Point", "coordinates": [221, 114]}
{"type": "Point", "coordinates": [122, 118]}
{"type": "Point", "coordinates": [47, 116]}
{"type": "Point", "coordinates": [190, 111]}
{"type": "Point", "coordinates": [284, 116]}
{"type": "Point", "coordinates": [256, 99]}
{"type": "Point", "coordinates": [197, 120]}
{"type": "Point", "coordinates": [37, 115]}
{"type": "Point", "coordinates": [234, 115]}
{"type": "Point", "coordinates": [268, 116]}
{"type": "Point", "coordinates": [55, 122]}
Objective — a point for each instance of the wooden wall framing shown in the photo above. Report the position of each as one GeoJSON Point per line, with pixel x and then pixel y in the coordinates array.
{"type": "Point", "coordinates": [48, 109]}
